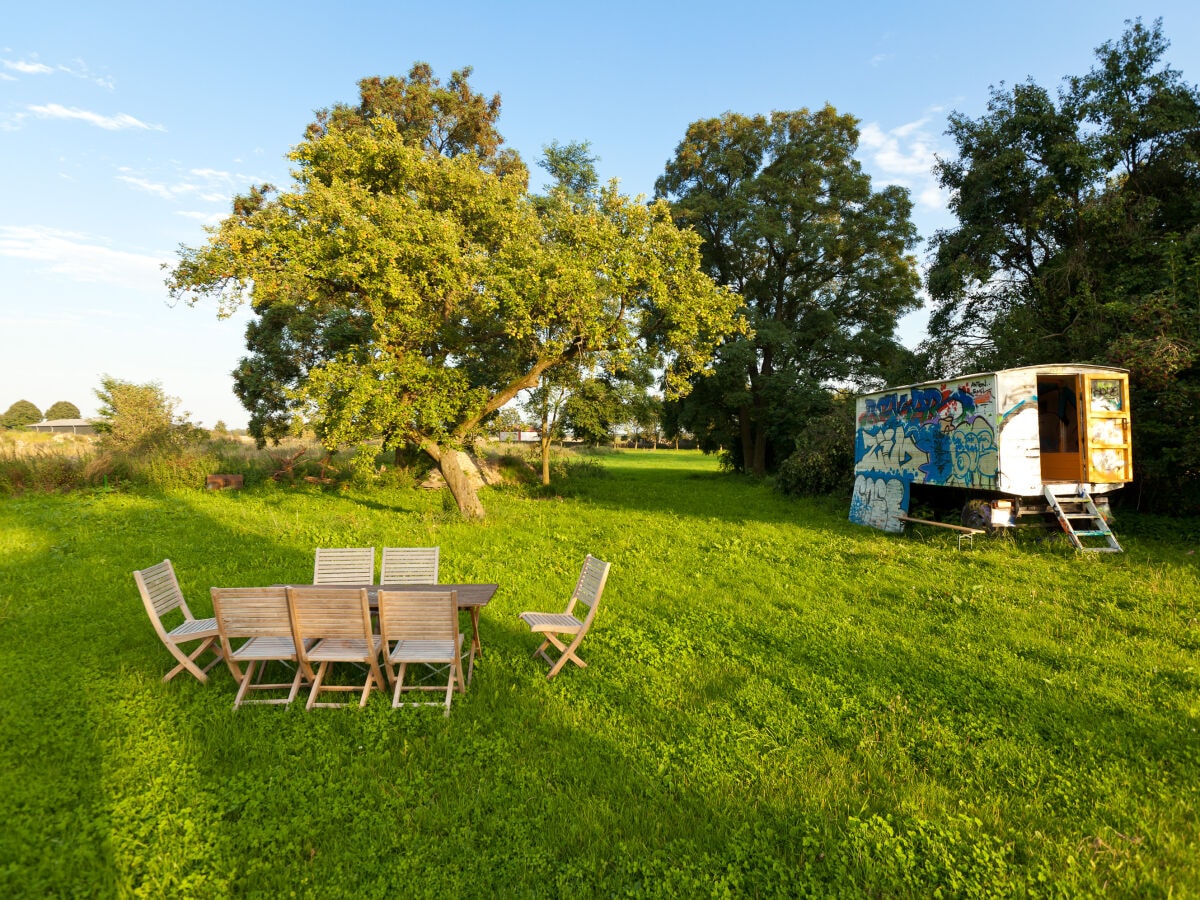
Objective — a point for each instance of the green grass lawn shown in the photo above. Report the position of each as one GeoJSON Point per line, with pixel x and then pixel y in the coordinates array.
{"type": "Point", "coordinates": [778, 703]}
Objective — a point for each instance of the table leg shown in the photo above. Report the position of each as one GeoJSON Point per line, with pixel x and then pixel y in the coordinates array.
{"type": "Point", "coordinates": [475, 645]}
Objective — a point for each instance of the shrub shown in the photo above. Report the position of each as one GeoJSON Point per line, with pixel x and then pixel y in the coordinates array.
{"type": "Point", "coordinates": [141, 420]}
{"type": "Point", "coordinates": [823, 461]}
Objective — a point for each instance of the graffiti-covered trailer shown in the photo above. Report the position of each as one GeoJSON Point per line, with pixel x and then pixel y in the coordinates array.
{"type": "Point", "coordinates": [1002, 436]}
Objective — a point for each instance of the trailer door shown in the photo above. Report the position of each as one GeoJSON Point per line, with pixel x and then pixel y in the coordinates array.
{"type": "Point", "coordinates": [1107, 456]}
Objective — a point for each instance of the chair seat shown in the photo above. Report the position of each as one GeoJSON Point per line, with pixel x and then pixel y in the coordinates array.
{"type": "Point", "coordinates": [265, 648]}
{"type": "Point", "coordinates": [343, 649]}
{"type": "Point", "coordinates": [425, 651]}
{"type": "Point", "coordinates": [194, 628]}
{"type": "Point", "coordinates": [560, 623]}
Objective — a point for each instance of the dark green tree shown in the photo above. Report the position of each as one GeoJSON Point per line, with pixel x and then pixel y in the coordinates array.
{"type": "Point", "coordinates": [20, 414]}
{"type": "Point", "coordinates": [63, 410]}
{"type": "Point", "coordinates": [820, 261]}
{"type": "Point", "coordinates": [1078, 240]}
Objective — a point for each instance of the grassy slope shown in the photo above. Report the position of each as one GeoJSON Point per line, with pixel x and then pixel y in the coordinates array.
{"type": "Point", "coordinates": [778, 702]}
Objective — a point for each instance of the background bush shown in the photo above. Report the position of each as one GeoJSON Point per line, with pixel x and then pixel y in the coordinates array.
{"type": "Point", "coordinates": [823, 461]}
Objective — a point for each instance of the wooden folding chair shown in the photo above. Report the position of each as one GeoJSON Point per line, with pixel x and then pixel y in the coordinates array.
{"type": "Point", "coordinates": [256, 630]}
{"type": "Point", "coordinates": [421, 627]}
{"type": "Point", "coordinates": [409, 565]}
{"type": "Point", "coordinates": [348, 565]}
{"type": "Point", "coordinates": [163, 598]}
{"type": "Point", "coordinates": [587, 594]}
{"type": "Point", "coordinates": [333, 625]}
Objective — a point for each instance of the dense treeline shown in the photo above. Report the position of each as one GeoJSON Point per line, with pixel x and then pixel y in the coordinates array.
{"type": "Point", "coordinates": [1078, 240]}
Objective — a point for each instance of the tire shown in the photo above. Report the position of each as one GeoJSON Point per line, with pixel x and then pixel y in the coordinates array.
{"type": "Point", "coordinates": [977, 514]}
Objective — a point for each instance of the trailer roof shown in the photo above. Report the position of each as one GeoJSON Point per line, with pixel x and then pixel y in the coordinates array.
{"type": "Point", "coordinates": [1047, 368]}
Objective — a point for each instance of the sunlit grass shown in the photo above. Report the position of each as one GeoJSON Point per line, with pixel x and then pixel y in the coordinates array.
{"type": "Point", "coordinates": [777, 703]}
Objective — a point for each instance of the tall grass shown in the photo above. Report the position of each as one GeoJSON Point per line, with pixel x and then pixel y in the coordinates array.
{"type": "Point", "coordinates": [777, 703]}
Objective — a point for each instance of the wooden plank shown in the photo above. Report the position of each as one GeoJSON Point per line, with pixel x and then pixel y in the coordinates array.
{"type": "Point", "coordinates": [962, 528]}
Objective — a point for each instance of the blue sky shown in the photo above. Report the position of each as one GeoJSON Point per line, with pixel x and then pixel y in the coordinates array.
{"type": "Point", "coordinates": [126, 127]}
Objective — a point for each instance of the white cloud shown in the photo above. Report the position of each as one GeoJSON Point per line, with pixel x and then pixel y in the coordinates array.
{"type": "Point", "coordinates": [905, 155]}
{"type": "Point", "coordinates": [27, 68]}
{"type": "Point", "coordinates": [166, 191]}
{"type": "Point", "coordinates": [905, 150]}
{"type": "Point", "coordinates": [211, 174]}
{"type": "Point", "coordinates": [203, 217]}
{"type": "Point", "coordinates": [80, 257]}
{"type": "Point", "coordinates": [109, 123]}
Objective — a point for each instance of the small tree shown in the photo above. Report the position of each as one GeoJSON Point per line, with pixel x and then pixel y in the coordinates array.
{"type": "Point", "coordinates": [20, 414]}
{"type": "Point", "coordinates": [63, 409]}
{"type": "Point", "coordinates": [140, 419]}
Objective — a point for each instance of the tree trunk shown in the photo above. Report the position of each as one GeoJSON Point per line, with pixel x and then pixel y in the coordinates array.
{"type": "Point", "coordinates": [747, 430]}
{"type": "Point", "coordinates": [461, 489]}
{"type": "Point", "coordinates": [545, 441]}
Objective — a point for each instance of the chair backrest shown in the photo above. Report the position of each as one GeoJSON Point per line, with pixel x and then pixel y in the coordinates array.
{"type": "Point", "coordinates": [588, 589]}
{"type": "Point", "coordinates": [418, 616]}
{"type": "Point", "coordinates": [325, 612]}
{"type": "Point", "coordinates": [409, 565]}
{"type": "Point", "coordinates": [251, 612]}
{"type": "Point", "coordinates": [348, 565]}
{"type": "Point", "coordinates": [161, 594]}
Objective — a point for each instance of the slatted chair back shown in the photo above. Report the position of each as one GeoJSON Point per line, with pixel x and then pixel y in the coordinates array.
{"type": "Point", "coordinates": [256, 629]}
{"type": "Point", "coordinates": [332, 625]}
{"type": "Point", "coordinates": [252, 612]}
{"type": "Point", "coordinates": [344, 565]}
{"type": "Point", "coordinates": [173, 620]}
{"type": "Point", "coordinates": [421, 627]}
{"type": "Point", "coordinates": [160, 592]}
{"type": "Point", "coordinates": [410, 565]}
{"type": "Point", "coordinates": [418, 615]}
{"type": "Point", "coordinates": [327, 612]}
{"type": "Point", "coordinates": [592, 578]}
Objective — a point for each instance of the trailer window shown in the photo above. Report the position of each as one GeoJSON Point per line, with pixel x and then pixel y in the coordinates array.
{"type": "Point", "coordinates": [1106, 395]}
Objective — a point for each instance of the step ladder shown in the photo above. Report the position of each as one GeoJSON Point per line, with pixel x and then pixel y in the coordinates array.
{"type": "Point", "coordinates": [1072, 505]}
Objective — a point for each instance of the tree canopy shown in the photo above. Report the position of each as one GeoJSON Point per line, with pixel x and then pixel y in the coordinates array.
{"type": "Point", "coordinates": [63, 409]}
{"type": "Point", "coordinates": [406, 293]}
{"type": "Point", "coordinates": [819, 260]}
{"type": "Point", "coordinates": [1078, 240]}
{"type": "Point", "coordinates": [20, 414]}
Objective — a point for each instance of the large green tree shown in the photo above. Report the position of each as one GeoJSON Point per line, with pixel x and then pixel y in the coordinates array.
{"type": "Point", "coordinates": [20, 414]}
{"type": "Point", "coordinates": [820, 262]}
{"type": "Point", "coordinates": [431, 289]}
{"type": "Point", "coordinates": [1078, 240]}
{"type": "Point", "coordinates": [63, 409]}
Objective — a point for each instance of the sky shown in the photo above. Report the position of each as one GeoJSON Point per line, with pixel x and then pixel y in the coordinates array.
{"type": "Point", "coordinates": [126, 128]}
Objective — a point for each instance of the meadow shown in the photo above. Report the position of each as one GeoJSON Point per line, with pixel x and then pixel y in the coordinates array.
{"type": "Point", "coordinates": [777, 703]}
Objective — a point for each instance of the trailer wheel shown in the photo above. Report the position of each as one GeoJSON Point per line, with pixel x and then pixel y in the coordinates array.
{"type": "Point", "coordinates": [977, 514]}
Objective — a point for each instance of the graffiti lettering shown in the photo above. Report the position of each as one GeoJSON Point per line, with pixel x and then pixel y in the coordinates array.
{"type": "Point", "coordinates": [878, 501]}
{"type": "Point", "coordinates": [930, 435]}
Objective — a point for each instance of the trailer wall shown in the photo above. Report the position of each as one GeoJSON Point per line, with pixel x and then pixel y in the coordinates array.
{"type": "Point", "coordinates": [943, 433]}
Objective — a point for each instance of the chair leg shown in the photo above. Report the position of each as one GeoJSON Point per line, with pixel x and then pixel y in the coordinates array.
{"type": "Point", "coordinates": [316, 688]}
{"type": "Point", "coordinates": [245, 683]}
{"type": "Point", "coordinates": [397, 685]}
{"type": "Point", "coordinates": [450, 688]}
{"type": "Point", "coordinates": [188, 662]}
{"type": "Point", "coordinates": [567, 653]}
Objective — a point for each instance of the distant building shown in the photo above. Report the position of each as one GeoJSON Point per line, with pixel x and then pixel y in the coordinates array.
{"type": "Point", "coordinates": [68, 426]}
{"type": "Point", "coordinates": [524, 437]}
